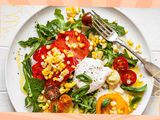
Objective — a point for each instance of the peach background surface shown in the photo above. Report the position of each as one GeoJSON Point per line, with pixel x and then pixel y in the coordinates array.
{"type": "Point", "coordinates": [59, 116]}
{"type": "Point", "coordinates": [102, 3]}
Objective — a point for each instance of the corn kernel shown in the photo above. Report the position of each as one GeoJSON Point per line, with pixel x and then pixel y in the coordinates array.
{"type": "Point", "coordinates": [62, 31]}
{"type": "Point", "coordinates": [73, 66]}
{"type": "Point", "coordinates": [44, 107]}
{"type": "Point", "coordinates": [120, 111]}
{"type": "Point", "coordinates": [42, 56]}
{"type": "Point", "coordinates": [113, 103]}
{"type": "Point", "coordinates": [90, 48]}
{"type": "Point", "coordinates": [103, 41]}
{"type": "Point", "coordinates": [70, 54]}
{"type": "Point", "coordinates": [130, 43]}
{"type": "Point", "coordinates": [61, 66]}
{"type": "Point", "coordinates": [55, 79]}
{"type": "Point", "coordinates": [50, 76]}
{"type": "Point", "coordinates": [140, 75]}
{"type": "Point", "coordinates": [81, 45]}
{"type": "Point", "coordinates": [73, 45]}
{"type": "Point", "coordinates": [114, 108]}
{"type": "Point", "coordinates": [138, 48]}
{"type": "Point", "coordinates": [78, 38]}
{"type": "Point", "coordinates": [67, 38]}
{"type": "Point", "coordinates": [48, 47]}
{"type": "Point", "coordinates": [97, 54]}
{"type": "Point", "coordinates": [71, 20]}
{"type": "Point", "coordinates": [64, 72]}
{"type": "Point", "coordinates": [76, 33]}
{"type": "Point", "coordinates": [40, 105]}
{"type": "Point", "coordinates": [70, 85]}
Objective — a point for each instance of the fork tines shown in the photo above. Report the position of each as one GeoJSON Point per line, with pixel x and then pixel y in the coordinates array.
{"type": "Point", "coordinates": [100, 25]}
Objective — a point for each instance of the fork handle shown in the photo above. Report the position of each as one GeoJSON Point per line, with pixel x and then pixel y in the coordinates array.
{"type": "Point", "coordinates": [150, 67]}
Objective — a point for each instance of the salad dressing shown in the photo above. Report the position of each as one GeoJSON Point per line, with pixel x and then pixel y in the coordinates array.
{"type": "Point", "coordinates": [22, 79]}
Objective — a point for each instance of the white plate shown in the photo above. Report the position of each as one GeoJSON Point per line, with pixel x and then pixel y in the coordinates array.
{"type": "Point", "coordinates": [28, 30]}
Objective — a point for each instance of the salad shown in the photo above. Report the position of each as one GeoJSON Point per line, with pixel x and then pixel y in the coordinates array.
{"type": "Point", "coordinates": [72, 69]}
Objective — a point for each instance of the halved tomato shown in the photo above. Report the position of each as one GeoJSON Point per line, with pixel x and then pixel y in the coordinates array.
{"type": "Point", "coordinates": [120, 64]}
{"type": "Point", "coordinates": [128, 77]}
{"type": "Point", "coordinates": [121, 104]}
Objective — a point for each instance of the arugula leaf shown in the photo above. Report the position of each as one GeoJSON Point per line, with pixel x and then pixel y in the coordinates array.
{"type": "Point", "coordinates": [119, 29]}
{"type": "Point", "coordinates": [37, 45]}
{"type": "Point", "coordinates": [58, 14]}
{"type": "Point", "coordinates": [32, 86]}
{"type": "Point", "coordinates": [29, 43]}
{"type": "Point", "coordinates": [87, 103]}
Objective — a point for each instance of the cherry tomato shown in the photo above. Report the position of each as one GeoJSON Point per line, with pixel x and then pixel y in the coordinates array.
{"type": "Point", "coordinates": [65, 102]}
{"type": "Point", "coordinates": [87, 19]}
{"type": "Point", "coordinates": [62, 104]}
{"type": "Point", "coordinates": [120, 64]}
{"type": "Point", "coordinates": [37, 71]}
{"type": "Point", "coordinates": [128, 77]}
{"type": "Point", "coordinates": [52, 92]}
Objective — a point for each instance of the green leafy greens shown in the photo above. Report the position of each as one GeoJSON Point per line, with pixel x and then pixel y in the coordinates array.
{"type": "Point", "coordinates": [32, 86]}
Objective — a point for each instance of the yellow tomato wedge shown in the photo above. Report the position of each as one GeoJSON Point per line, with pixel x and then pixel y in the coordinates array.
{"type": "Point", "coordinates": [121, 106]}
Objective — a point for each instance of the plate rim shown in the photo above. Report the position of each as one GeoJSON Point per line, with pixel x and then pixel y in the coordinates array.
{"type": "Point", "coordinates": [45, 7]}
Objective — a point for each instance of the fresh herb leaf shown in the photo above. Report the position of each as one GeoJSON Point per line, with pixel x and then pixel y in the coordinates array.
{"type": "Point", "coordinates": [133, 89]}
{"type": "Point", "coordinates": [87, 103]}
{"type": "Point", "coordinates": [55, 108]}
{"type": "Point", "coordinates": [85, 78]}
{"type": "Point", "coordinates": [134, 101]}
{"type": "Point", "coordinates": [106, 102]}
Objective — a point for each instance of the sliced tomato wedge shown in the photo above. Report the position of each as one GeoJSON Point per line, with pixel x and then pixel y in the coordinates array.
{"type": "Point", "coordinates": [64, 42]}
{"type": "Point", "coordinates": [128, 77]}
{"type": "Point", "coordinates": [37, 71]}
{"type": "Point", "coordinates": [38, 54]}
{"type": "Point", "coordinates": [81, 43]}
{"type": "Point", "coordinates": [120, 64]}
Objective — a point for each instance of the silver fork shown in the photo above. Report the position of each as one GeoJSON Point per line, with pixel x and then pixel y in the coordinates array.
{"type": "Point", "coordinates": [110, 35]}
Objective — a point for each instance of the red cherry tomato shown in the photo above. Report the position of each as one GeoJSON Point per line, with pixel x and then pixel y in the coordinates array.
{"type": "Point", "coordinates": [87, 19]}
{"type": "Point", "coordinates": [128, 77]}
{"type": "Point", "coordinates": [120, 64]}
{"type": "Point", "coordinates": [52, 92]}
